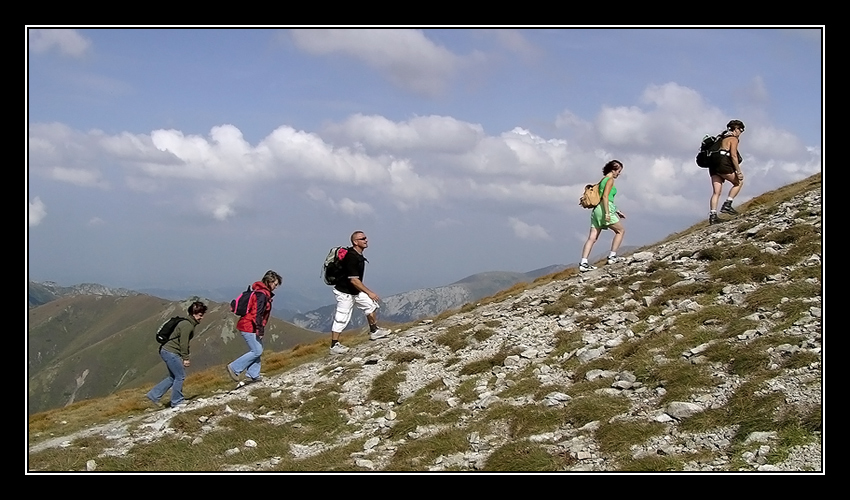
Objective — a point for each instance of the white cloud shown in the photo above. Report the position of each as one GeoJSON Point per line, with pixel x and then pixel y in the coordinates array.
{"type": "Point", "coordinates": [219, 201]}
{"type": "Point", "coordinates": [405, 56]}
{"type": "Point", "coordinates": [527, 231]}
{"type": "Point", "coordinates": [409, 188]}
{"type": "Point", "coordinates": [524, 193]}
{"type": "Point", "coordinates": [96, 221]}
{"type": "Point", "coordinates": [436, 134]}
{"type": "Point", "coordinates": [37, 211]}
{"type": "Point", "coordinates": [351, 207]}
{"type": "Point", "coordinates": [78, 177]}
{"type": "Point", "coordinates": [429, 160]}
{"type": "Point", "coordinates": [624, 126]}
{"type": "Point", "coordinates": [66, 41]}
{"type": "Point", "coordinates": [675, 115]}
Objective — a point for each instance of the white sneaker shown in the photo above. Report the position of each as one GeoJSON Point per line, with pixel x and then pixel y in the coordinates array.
{"type": "Point", "coordinates": [584, 267]}
{"type": "Point", "coordinates": [614, 260]}
{"type": "Point", "coordinates": [339, 349]}
{"type": "Point", "coordinates": [379, 334]}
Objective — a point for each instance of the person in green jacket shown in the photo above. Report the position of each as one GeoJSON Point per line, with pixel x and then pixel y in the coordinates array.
{"type": "Point", "coordinates": [175, 353]}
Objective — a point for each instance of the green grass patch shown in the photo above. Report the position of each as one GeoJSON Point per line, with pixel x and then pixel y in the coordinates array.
{"type": "Point", "coordinates": [566, 301]}
{"type": "Point", "coordinates": [680, 379]}
{"type": "Point", "coordinates": [454, 337]}
{"type": "Point", "coordinates": [419, 454]}
{"type": "Point", "coordinates": [70, 458]}
{"type": "Point", "coordinates": [594, 407]}
{"type": "Point", "coordinates": [751, 412]}
{"type": "Point", "coordinates": [566, 341]}
{"type": "Point", "coordinates": [800, 359]}
{"type": "Point", "coordinates": [335, 459]}
{"type": "Point", "coordinates": [385, 385]}
{"type": "Point", "coordinates": [618, 437]}
{"type": "Point", "coordinates": [524, 384]}
{"type": "Point", "coordinates": [404, 356]}
{"type": "Point", "coordinates": [688, 291]}
{"type": "Point", "coordinates": [744, 273]}
{"type": "Point", "coordinates": [523, 456]}
{"type": "Point", "coordinates": [487, 364]}
{"type": "Point", "coordinates": [483, 334]}
{"type": "Point", "coordinates": [321, 415]}
{"type": "Point", "coordinates": [526, 420]}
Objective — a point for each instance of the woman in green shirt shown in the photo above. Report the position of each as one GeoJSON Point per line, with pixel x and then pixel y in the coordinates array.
{"type": "Point", "coordinates": [605, 216]}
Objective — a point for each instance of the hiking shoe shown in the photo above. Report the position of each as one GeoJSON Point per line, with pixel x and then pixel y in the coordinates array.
{"type": "Point", "coordinates": [585, 267]}
{"type": "Point", "coordinates": [727, 208]}
{"type": "Point", "coordinates": [713, 219]}
{"type": "Point", "coordinates": [232, 374]}
{"type": "Point", "coordinates": [614, 260]}
{"type": "Point", "coordinates": [379, 334]}
{"type": "Point", "coordinates": [339, 349]}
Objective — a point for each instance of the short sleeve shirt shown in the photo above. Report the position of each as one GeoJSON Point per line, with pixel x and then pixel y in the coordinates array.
{"type": "Point", "coordinates": [353, 266]}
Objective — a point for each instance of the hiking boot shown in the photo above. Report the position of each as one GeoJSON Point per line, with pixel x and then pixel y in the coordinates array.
{"type": "Point", "coordinates": [727, 208]}
{"type": "Point", "coordinates": [584, 267]}
{"type": "Point", "coordinates": [339, 349]}
{"type": "Point", "coordinates": [713, 219]}
{"type": "Point", "coordinates": [379, 334]}
{"type": "Point", "coordinates": [232, 374]}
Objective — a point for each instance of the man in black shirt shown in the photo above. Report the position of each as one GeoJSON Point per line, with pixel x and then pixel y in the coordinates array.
{"type": "Point", "coordinates": [350, 291]}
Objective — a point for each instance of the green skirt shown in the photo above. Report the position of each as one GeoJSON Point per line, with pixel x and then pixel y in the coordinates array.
{"type": "Point", "coordinates": [597, 216]}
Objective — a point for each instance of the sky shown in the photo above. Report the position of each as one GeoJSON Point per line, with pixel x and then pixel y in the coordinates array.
{"type": "Point", "coordinates": [174, 158]}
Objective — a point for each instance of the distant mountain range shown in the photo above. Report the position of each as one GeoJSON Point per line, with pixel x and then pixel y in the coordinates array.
{"type": "Point", "coordinates": [46, 291]}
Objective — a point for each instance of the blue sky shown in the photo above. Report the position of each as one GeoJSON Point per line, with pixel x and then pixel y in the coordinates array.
{"type": "Point", "coordinates": [204, 157]}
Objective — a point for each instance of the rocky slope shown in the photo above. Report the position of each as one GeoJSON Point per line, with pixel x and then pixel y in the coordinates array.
{"type": "Point", "coordinates": [709, 344]}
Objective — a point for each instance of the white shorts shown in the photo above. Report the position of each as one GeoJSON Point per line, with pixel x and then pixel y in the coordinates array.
{"type": "Point", "coordinates": [345, 305]}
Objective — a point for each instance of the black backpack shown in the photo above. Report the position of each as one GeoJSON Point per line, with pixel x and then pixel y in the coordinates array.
{"type": "Point", "coordinates": [710, 144]}
{"type": "Point", "coordinates": [332, 267]}
{"type": "Point", "coordinates": [167, 328]}
{"type": "Point", "coordinates": [239, 305]}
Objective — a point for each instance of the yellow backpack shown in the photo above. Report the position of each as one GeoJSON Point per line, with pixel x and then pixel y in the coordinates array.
{"type": "Point", "coordinates": [591, 197]}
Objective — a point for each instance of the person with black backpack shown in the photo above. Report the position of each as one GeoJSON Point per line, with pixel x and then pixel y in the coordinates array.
{"type": "Point", "coordinates": [349, 291]}
{"type": "Point", "coordinates": [726, 166]}
{"type": "Point", "coordinates": [175, 353]}
{"type": "Point", "coordinates": [252, 326]}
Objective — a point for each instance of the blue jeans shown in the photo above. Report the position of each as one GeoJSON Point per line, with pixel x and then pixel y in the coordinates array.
{"type": "Point", "coordinates": [250, 361]}
{"type": "Point", "coordinates": [174, 380]}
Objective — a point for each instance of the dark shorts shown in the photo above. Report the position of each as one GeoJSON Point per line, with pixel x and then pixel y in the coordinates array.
{"type": "Point", "coordinates": [722, 166]}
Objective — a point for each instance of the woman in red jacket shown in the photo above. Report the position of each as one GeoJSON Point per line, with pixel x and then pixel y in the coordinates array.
{"type": "Point", "coordinates": [252, 327]}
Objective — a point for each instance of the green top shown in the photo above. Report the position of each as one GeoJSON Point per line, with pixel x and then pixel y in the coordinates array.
{"type": "Point", "coordinates": [611, 194]}
{"type": "Point", "coordinates": [178, 343]}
